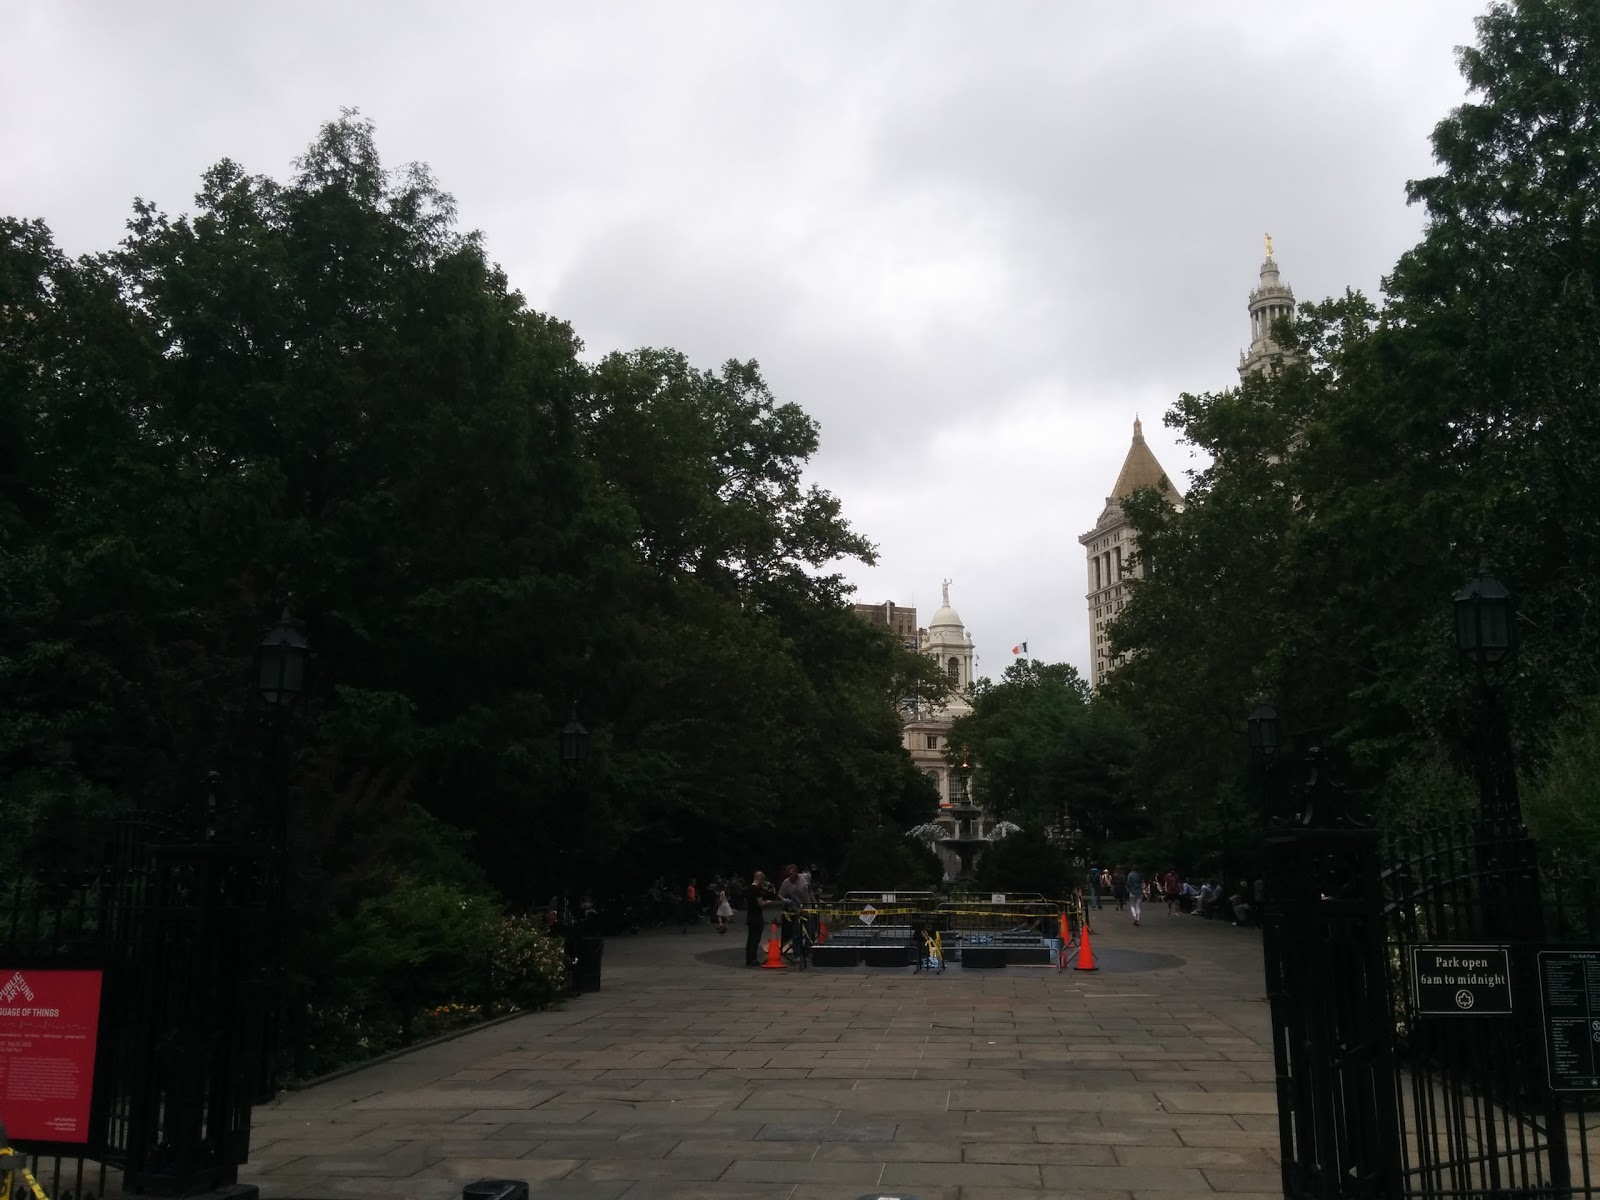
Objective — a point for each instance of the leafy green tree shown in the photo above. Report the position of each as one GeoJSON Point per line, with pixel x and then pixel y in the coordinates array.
{"type": "Point", "coordinates": [1027, 862]}
{"type": "Point", "coordinates": [1353, 491]}
{"type": "Point", "coordinates": [319, 392]}
{"type": "Point", "coordinates": [419, 944]}
{"type": "Point", "coordinates": [883, 857]}
{"type": "Point", "coordinates": [1045, 757]}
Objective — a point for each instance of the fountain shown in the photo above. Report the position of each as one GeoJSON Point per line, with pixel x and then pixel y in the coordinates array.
{"type": "Point", "coordinates": [961, 831]}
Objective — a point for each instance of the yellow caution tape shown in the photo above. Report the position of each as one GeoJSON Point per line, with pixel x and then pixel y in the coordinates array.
{"type": "Point", "coordinates": [8, 1177]}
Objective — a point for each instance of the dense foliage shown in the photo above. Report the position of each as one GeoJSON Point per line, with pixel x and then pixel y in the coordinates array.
{"type": "Point", "coordinates": [1355, 488]}
{"type": "Point", "coordinates": [1047, 759]}
{"type": "Point", "coordinates": [884, 857]}
{"type": "Point", "coordinates": [321, 394]}
{"type": "Point", "coordinates": [1027, 862]}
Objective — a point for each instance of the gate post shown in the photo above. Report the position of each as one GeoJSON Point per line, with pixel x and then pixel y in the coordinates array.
{"type": "Point", "coordinates": [1327, 982]}
{"type": "Point", "coordinates": [188, 1063]}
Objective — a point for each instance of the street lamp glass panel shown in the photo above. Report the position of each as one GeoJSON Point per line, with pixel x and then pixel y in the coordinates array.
{"type": "Point", "coordinates": [1265, 732]}
{"type": "Point", "coordinates": [1486, 625]}
{"type": "Point", "coordinates": [574, 741]}
{"type": "Point", "coordinates": [281, 661]}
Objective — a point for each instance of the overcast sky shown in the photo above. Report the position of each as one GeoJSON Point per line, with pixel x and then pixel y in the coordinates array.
{"type": "Point", "coordinates": [972, 239]}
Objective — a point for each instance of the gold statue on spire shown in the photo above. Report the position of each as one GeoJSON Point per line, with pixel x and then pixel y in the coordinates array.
{"type": "Point", "coordinates": [1269, 245]}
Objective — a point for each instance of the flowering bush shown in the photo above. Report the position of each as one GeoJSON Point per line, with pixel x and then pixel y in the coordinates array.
{"type": "Point", "coordinates": [418, 961]}
{"type": "Point", "coordinates": [528, 965]}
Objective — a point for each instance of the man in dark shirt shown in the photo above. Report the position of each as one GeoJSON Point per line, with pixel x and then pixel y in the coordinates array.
{"type": "Point", "coordinates": [755, 917]}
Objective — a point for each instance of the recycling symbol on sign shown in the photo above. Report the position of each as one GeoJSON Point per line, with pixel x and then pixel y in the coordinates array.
{"type": "Point", "coordinates": [1464, 999]}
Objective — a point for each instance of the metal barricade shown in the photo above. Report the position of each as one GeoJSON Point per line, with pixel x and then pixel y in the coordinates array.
{"type": "Point", "coordinates": [865, 928]}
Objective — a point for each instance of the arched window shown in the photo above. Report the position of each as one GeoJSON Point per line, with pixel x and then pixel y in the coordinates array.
{"type": "Point", "coordinates": [953, 669]}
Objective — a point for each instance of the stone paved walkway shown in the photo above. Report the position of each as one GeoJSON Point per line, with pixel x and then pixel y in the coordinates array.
{"type": "Point", "coordinates": [690, 1077]}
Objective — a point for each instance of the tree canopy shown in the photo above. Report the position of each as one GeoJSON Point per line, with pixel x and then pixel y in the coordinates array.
{"type": "Point", "coordinates": [1355, 488]}
{"type": "Point", "coordinates": [319, 393]}
{"type": "Point", "coordinates": [1047, 759]}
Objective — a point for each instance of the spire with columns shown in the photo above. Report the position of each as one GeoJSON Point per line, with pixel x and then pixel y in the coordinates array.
{"type": "Point", "coordinates": [1271, 300]}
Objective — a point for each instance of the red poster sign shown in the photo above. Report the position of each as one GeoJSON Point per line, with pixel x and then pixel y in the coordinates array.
{"type": "Point", "coordinates": [48, 1024]}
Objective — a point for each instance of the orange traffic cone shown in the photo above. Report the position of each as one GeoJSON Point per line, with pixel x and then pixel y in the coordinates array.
{"type": "Point", "coordinates": [774, 952]}
{"type": "Point", "coordinates": [1085, 955]}
{"type": "Point", "coordinates": [822, 930]}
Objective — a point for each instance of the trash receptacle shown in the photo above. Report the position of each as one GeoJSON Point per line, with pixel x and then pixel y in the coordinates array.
{"type": "Point", "coordinates": [583, 963]}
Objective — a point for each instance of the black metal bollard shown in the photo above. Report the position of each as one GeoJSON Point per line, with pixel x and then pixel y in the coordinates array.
{"type": "Point", "coordinates": [496, 1189]}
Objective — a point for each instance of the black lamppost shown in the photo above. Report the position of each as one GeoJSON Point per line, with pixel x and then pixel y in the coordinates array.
{"type": "Point", "coordinates": [1486, 650]}
{"type": "Point", "coordinates": [1266, 742]}
{"type": "Point", "coordinates": [583, 952]}
{"type": "Point", "coordinates": [574, 740]}
{"type": "Point", "coordinates": [1266, 734]}
{"type": "Point", "coordinates": [1511, 899]}
{"type": "Point", "coordinates": [574, 751]}
{"type": "Point", "coordinates": [1227, 866]}
{"type": "Point", "coordinates": [280, 678]}
{"type": "Point", "coordinates": [1486, 628]}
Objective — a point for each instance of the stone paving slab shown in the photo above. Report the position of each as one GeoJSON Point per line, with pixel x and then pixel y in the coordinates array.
{"type": "Point", "coordinates": [690, 1077]}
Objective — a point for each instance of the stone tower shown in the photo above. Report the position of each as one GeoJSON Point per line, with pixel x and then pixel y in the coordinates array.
{"type": "Point", "coordinates": [1110, 545]}
{"type": "Point", "coordinates": [949, 644]}
{"type": "Point", "coordinates": [1271, 300]}
{"type": "Point", "coordinates": [927, 731]}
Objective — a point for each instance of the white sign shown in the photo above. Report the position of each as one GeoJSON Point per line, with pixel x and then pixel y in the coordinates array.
{"type": "Point", "coordinates": [888, 897]}
{"type": "Point", "coordinates": [868, 915]}
{"type": "Point", "coordinates": [997, 897]}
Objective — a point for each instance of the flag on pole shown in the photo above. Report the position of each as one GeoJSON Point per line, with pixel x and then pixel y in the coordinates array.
{"type": "Point", "coordinates": [1020, 648]}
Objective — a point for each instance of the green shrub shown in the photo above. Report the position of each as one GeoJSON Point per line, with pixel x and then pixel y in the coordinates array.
{"type": "Point", "coordinates": [1562, 807]}
{"type": "Point", "coordinates": [529, 967]}
{"type": "Point", "coordinates": [420, 945]}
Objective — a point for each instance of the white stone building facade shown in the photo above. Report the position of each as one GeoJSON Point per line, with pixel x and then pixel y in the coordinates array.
{"type": "Point", "coordinates": [1109, 547]}
{"type": "Point", "coordinates": [927, 728]}
{"type": "Point", "coordinates": [1109, 550]}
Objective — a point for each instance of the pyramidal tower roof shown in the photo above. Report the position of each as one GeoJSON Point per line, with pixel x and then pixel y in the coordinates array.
{"type": "Point", "coordinates": [1141, 470]}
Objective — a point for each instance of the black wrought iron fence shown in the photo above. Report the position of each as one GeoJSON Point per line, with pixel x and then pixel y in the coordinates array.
{"type": "Point", "coordinates": [1470, 917]}
{"type": "Point", "coordinates": [175, 927]}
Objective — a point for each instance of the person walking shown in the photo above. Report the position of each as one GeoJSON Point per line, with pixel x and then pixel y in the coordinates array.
{"type": "Point", "coordinates": [724, 909]}
{"type": "Point", "coordinates": [1119, 888]}
{"type": "Point", "coordinates": [795, 896]}
{"type": "Point", "coordinates": [1094, 886]}
{"type": "Point", "coordinates": [755, 917]}
{"type": "Point", "coordinates": [690, 912]}
{"type": "Point", "coordinates": [1135, 886]}
{"type": "Point", "coordinates": [1172, 889]}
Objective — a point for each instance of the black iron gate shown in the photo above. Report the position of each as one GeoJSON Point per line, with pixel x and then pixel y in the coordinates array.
{"type": "Point", "coordinates": [177, 929]}
{"type": "Point", "coordinates": [1395, 1077]}
{"type": "Point", "coordinates": [1480, 1114]}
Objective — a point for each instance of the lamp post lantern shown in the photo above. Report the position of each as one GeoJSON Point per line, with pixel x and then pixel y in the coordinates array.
{"type": "Point", "coordinates": [281, 678]}
{"type": "Point", "coordinates": [281, 662]}
{"type": "Point", "coordinates": [574, 740]}
{"type": "Point", "coordinates": [1266, 734]}
{"type": "Point", "coordinates": [1486, 627]}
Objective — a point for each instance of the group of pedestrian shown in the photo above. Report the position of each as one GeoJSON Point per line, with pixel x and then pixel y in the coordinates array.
{"type": "Point", "coordinates": [694, 902]}
{"type": "Point", "coordinates": [1128, 889]}
{"type": "Point", "coordinates": [794, 893]}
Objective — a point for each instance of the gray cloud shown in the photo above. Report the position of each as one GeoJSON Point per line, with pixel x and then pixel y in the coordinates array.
{"type": "Point", "coordinates": [972, 240]}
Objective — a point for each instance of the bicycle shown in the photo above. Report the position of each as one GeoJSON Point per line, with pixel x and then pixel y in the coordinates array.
{"type": "Point", "coordinates": [12, 1165]}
